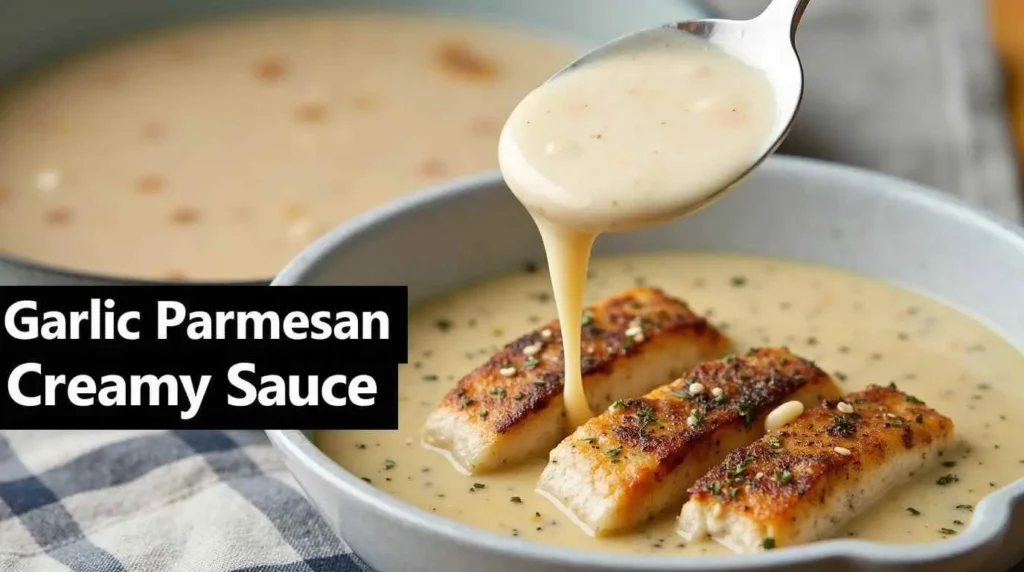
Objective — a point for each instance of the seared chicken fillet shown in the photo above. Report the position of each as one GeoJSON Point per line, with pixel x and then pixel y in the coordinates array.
{"type": "Point", "coordinates": [511, 409]}
{"type": "Point", "coordinates": [807, 480]}
{"type": "Point", "coordinates": [637, 459]}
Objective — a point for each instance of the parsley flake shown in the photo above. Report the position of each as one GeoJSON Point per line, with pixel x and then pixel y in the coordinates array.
{"type": "Point", "coordinates": [746, 413]}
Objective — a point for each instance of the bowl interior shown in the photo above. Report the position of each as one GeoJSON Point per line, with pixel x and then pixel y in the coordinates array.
{"type": "Point", "coordinates": [797, 209]}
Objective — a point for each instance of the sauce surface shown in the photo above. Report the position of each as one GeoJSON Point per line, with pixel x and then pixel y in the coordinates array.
{"type": "Point", "coordinates": [217, 152]}
{"type": "Point", "coordinates": [634, 138]}
{"type": "Point", "coordinates": [859, 330]}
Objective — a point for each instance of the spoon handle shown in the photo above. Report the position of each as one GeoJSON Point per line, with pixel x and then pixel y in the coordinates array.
{"type": "Point", "coordinates": [784, 13]}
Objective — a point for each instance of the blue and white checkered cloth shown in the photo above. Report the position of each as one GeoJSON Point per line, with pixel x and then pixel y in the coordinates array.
{"type": "Point", "coordinates": [180, 501]}
{"type": "Point", "coordinates": [189, 501]}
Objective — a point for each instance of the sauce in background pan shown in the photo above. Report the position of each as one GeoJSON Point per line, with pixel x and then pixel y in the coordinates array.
{"type": "Point", "coordinates": [217, 152]}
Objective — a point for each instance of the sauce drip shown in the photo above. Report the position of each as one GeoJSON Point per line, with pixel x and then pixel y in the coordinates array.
{"type": "Point", "coordinates": [637, 138]}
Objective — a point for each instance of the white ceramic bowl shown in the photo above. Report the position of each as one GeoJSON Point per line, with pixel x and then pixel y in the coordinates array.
{"type": "Point", "coordinates": [798, 209]}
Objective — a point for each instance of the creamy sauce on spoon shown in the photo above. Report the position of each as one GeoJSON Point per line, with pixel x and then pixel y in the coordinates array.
{"type": "Point", "coordinates": [634, 139]}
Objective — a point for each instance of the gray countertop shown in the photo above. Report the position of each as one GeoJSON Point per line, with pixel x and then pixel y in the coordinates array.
{"type": "Point", "coordinates": [908, 87]}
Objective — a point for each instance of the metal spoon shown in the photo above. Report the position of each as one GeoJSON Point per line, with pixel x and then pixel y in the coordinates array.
{"type": "Point", "coordinates": [766, 42]}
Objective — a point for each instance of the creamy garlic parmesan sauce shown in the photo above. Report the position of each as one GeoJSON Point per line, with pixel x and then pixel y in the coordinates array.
{"type": "Point", "coordinates": [218, 151]}
{"type": "Point", "coordinates": [859, 330]}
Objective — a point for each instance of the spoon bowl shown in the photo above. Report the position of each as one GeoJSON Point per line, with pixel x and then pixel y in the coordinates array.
{"type": "Point", "coordinates": [765, 42]}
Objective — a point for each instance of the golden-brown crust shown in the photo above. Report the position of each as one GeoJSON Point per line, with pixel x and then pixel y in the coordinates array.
{"type": "Point", "coordinates": [775, 476]}
{"type": "Point", "coordinates": [502, 401]}
{"type": "Point", "coordinates": [660, 430]}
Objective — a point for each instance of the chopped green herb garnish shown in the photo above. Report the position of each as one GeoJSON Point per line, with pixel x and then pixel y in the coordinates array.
{"type": "Point", "coordinates": [388, 464]}
{"type": "Point", "coordinates": [483, 414]}
{"type": "Point", "coordinates": [479, 486]}
{"type": "Point", "coordinates": [443, 325]}
{"type": "Point", "coordinates": [746, 412]}
{"type": "Point", "coordinates": [912, 399]}
{"type": "Point", "coordinates": [738, 281]}
{"type": "Point", "coordinates": [947, 531]}
{"type": "Point", "coordinates": [948, 464]}
{"type": "Point", "coordinates": [466, 402]}
{"type": "Point", "coordinates": [430, 377]}
{"type": "Point", "coordinates": [842, 426]}
{"type": "Point", "coordinates": [613, 452]}
{"type": "Point", "coordinates": [367, 480]}
{"type": "Point", "coordinates": [966, 507]}
{"type": "Point", "coordinates": [913, 511]}
{"type": "Point", "coordinates": [742, 466]}
{"type": "Point", "coordinates": [774, 442]}
{"type": "Point", "coordinates": [892, 385]}
{"type": "Point", "coordinates": [498, 391]}
{"type": "Point", "coordinates": [696, 418]}
{"type": "Point", "coordinates": [590, 440]}
{"type": "Point", "coordinates": [519, 395]}
{"type": "Point", "coordinates": [734, 492]}
{"type": "Point", "coordinates": [530, 362]}
{"type": "Point", "coordinates": [588, 317]}
{"type": "Point", "coordinates": [681, 394]}
{"type": "Point", "coordinates": [720, 399]}
{"type": "Point", "coordinates": [516, 500]}
{"type": "Point", "coordinates": [714, 488]}
{"type": "Point", "coordinates": [618, 403]}
{"type": "Point", "coordinates": [768, 543]}
{"type": "Point", "coordinates": [958, 522]}
{"type": "Point", "coordinates": [645, 416]}
{"type": "Point", "coordinates": [947, 479]}
{"type": "Point", "coordinates": [784, 477]}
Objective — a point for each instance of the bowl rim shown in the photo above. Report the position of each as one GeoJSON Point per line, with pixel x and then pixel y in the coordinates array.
{"type": "Point", "coordinates": [69, 273]}
{"type": "Point", "coordinates": [991, 518]}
